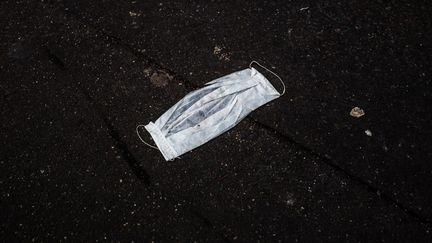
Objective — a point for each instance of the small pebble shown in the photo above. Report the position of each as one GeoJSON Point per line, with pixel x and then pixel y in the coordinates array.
{"type": "Point", "coordinates": [369, 133]}
{"type": "Point", "coordinates": [357, 112]}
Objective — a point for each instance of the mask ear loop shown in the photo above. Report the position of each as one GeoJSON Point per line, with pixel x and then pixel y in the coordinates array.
{"type": "Point", "coordinates": [151, 146]}
{"type": "Point", "coordinates": [142, 140]}
{"type": "Point", "coordinates": [277, 76]}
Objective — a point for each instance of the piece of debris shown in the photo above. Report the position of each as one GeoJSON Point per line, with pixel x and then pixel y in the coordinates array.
{"type": "Point", "coordinates": [133, 14]}
{"type": "Point", "coordinates": [147, 71]}
{"type": "Point", "coordinates": [217, 50]}
{"type": "Point", "coordinates": [357, 112]}
{"type": "Point", "coordinates": [223, 56]}
{"type": "Point", "coordinates": [160, 78]}
{"type": "Point", "coordinates": [369, 133]}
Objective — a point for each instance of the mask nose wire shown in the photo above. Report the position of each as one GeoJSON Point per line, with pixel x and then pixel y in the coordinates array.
{"type": "Point", "coordinates": [142, 140]}
{"type": "Point", "coordinates": [277, 76]}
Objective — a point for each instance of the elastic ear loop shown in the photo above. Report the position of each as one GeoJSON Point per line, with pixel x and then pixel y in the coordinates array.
{"type": "Point", "coordinates": [277, 76]}
{"type": "Point", "coordinates": [151, 146]}
{"type": "Point", "coordinates": [142, 140]}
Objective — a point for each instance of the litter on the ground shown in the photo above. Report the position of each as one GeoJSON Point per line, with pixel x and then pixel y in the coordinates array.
{"type": "Point", "coordinates": [357, 112]}
{"type": "Point", "coordinates": [210, 111]}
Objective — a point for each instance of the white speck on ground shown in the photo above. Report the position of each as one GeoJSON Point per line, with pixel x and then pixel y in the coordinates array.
{"type": "Point", "coordinates": [147, 72]}
{"type": "Point", "coordinates": [369, 133]}
{"type": "Point", "coordinates": [133, 14]}
{"type": "Point", "coordinates": [290, 202]}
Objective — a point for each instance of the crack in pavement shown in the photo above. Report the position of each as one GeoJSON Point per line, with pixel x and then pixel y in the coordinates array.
{"type": "Point", "coordinates": [133, 163]}
{"type": "Point", "coordinates": [327, 160]}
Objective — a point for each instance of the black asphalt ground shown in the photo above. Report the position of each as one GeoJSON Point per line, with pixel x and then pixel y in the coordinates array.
{"type": "Point", "coordinates": [78, 76]}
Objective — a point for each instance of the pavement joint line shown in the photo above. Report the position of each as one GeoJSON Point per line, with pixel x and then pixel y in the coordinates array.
{"type": "Point", "coordinates": [368, 186]}
{"type": "Point", "coordinates": [190, 86]}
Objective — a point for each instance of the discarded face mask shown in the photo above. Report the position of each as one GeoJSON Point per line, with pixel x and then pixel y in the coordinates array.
{"type": "Point", "coordinates": [210, 111]}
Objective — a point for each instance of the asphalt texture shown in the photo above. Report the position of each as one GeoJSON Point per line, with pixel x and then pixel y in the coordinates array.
{"type": "Point", "coordinates": [77, 77]}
